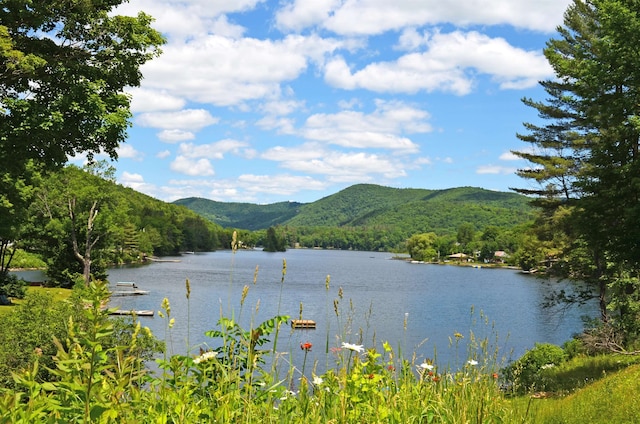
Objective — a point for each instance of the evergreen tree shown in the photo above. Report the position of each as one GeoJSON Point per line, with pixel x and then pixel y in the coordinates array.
{"type": "Point", "coordinates": [586, 156]}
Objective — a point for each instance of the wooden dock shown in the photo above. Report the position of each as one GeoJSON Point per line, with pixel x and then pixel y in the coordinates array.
{"type": "Point", "coordinates": [303, 324]}
{"type": "Point", "coordinates": [140, 313]}
{"type": "Point", "coordinates": [132, 289]}
{"type": "Point", "coordinates": [129, 293]}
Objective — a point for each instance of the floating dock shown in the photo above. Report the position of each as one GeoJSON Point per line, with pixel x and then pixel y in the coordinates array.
{"type": "Point", "coordinates": [130, 293]}
{"type": "Point", "coordinates": [140, 313]}
{"type": "Point", "coordinates": [303, 323]}
{"type": "Point", "coordinates": [133, 289]}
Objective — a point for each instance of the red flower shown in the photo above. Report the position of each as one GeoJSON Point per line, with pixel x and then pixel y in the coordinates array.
{"type": "Point", "coordinates": [495, 375]}
{"type": "Point", "coordinates": [306, 346]}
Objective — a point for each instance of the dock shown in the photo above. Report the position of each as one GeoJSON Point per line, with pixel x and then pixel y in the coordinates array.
{"type": "Point", "coordinates": [130, 293]}
{"type": "Point", "coordinates": [140, 313]}
{"type": "Point", "coordinates": [132, 289]}
{"type": "Point", "coordinates": [303, 324]}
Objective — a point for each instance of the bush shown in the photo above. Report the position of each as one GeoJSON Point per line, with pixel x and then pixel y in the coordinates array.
{"type": "Point", "coordinates": [11, 286]}
{"type": "Point", "coordinates": [528, 372]}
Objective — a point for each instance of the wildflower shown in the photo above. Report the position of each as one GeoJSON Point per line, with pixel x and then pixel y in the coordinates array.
{"type": "Point", "coordinates": [425, 366]}
{"type": "Point", "coordinates": [205, 356]}
{"type": "Point", "coordinates": [472, 362]}
{"type": "Point", "coordinates": [495, 375]}
{"type": "Point", "coordinates": [547, 366]}
{"type": "Point", "coordinates": [306, 346]}
{"type": "Point", "coordinates": [391, 368]}
{"type": "Point", "coordinates": [353, 347]}
{"type": "Point", "coordinates": [458, 336]}
{"type": "Point", "coordinates": [317, 380]}
{"type": "Point", "coordinates": [38, 351]}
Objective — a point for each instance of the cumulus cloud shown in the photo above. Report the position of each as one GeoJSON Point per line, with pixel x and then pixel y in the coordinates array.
{"type": "Point", "coordinates": [384, 128]}
{"type": "Point", "coordinates": [187, 166]}
{"type": "Point", "coordinates": [312, 158]}
{"type": "Point", "coordinates": [188, 119]}
{"type": "Point", "coordinates": [163, 154]}
{"type": "Point", "coordinates": [215, 150]}
{"type": "Point", "coordinates": [143, 100]}
{"type": "Point", "coordinates": [495, 169]}
{"type": "Point", "coordinates": [128, 151]}
{"type": "Point", "coordinates": [447, 64]}
{"type": "Point", "coordinates": [371, 17]}
{"type": "Point", "coordinates": [252, 68]}
{"type": "Point", "coordinates": [175, 135]}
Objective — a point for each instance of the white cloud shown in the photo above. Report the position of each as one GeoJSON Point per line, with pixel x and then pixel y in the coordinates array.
{"type": "Point", "coordinates": [174, 136]}
{"type": "Point", "coordinates": [163, 154]}
{"type": "Point", "coordinates": [126, 150]}
{"type": "Point", "coordinates": [382, 129]}
{"type": "Point", "coordinates": [371, 17]}
{"type": "Point", "coordinates": [312, 158]}
{"type": "Point", "coordinates": [224, 71]}
{"type": "Point", "coordinates": [188, 119]}
{"type": "Point", "coordinates": [212, 150]}
{"type": "Point", "coordinates": [282, 184]}
{"type": "Point", "coordinates": [447, 65]}
{"type": "Point", "coordinates": [495, 169]}
{"type": "Point", "coordinates": [187, 166]}
{"type": "Point", "coordinates": [143, 100]}
{"type": "Point", "coordinates": [136, 182]}
{"type": "Point", "coordinates": [509, 156]}
{"type": "Point", "coordinates": [188, 18]}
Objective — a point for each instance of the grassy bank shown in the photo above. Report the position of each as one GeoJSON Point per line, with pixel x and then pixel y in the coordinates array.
{"type": "Point", "coordinates": [56, 293]}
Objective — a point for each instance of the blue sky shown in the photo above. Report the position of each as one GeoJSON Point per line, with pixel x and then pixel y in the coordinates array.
{"type": "Point", "coordinates": [267, 101]}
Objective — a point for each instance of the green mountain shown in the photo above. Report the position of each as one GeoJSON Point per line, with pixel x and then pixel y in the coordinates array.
{"type": "Point", "coordinates": [365, 205]}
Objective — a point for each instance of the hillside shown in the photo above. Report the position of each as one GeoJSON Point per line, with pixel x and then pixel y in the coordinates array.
{"type": "Point", "coordinates": [246, 216]}
{"type": "Point", "coordinates": [366, 205]}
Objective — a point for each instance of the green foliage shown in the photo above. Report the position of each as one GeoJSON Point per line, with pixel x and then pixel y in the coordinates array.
{"type": "Point", "coordinates": [126, 226]}
{"type": "Point", "coordinates": [528, 373]}
{"type": "Point", "coordinates": [274, 240]}
{"type": "Point", "coordinates": [586, 161]}
{"type": "Point", "coordinates": [11, 286]}
{"type": "Point", "coordinates": [421, 247]}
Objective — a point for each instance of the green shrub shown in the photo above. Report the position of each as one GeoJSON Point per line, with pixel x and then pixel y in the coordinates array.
{"type": "Point", "coordinates": [529, 373]}
{"type": "Point", "coordinates": [11, 286]}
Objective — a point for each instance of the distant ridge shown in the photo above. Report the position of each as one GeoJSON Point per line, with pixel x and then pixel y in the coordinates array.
{"type": "Point", "coordinates": [368, 205]}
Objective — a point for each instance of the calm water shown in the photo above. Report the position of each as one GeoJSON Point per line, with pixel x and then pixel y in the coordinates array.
{"type": "Point", "coordinates": [378, 294]}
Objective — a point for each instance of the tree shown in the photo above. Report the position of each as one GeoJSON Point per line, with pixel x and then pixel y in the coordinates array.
{"type": "Point", "coordinates": [63, 68]}
{"type": "Point", "coordinates": [274, 242]}
{"type": "Point", "coordinates": [590, 150]}
{"type": "Point", "coordinates": [73, 221]}
{"type": "Point", "coordinates": [466, 233]}
{"type": "Point", "coordinates": [422, 247]}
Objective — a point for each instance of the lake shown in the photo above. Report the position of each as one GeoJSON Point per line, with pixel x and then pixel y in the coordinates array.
{"type": "Point", "coordinates": [417, 308]}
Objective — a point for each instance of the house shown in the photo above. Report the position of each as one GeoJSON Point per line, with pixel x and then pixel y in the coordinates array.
{"type": "Point", "coordinates": [500, 256]}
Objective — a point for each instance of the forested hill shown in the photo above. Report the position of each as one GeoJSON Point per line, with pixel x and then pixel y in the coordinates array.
{"type": "Point", "coordinates": [366, 205]}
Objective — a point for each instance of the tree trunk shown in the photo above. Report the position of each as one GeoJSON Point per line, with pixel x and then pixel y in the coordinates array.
{"type": "Point", "coordinates": [85, 257]}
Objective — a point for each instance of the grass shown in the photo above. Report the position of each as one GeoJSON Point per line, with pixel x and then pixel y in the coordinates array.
{"type": "Point", "coordinates": [57, 293]}
{"type": "Point", "coordinates": [611, 399]}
